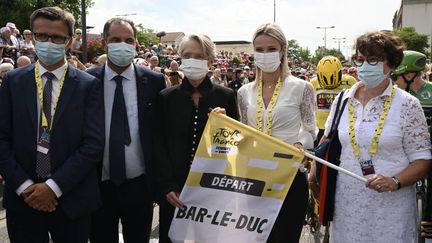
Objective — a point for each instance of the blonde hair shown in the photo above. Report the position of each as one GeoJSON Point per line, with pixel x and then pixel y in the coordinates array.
{"type": "Point", "coordinates": [276, 32]}
{"type": "Point", "coordinates": [208, 47]}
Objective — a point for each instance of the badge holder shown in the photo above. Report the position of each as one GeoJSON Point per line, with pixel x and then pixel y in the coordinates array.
{"type": "Point", "coordinates": [367, 167]}
{"type": "Point", "coordinates": [44, 141]}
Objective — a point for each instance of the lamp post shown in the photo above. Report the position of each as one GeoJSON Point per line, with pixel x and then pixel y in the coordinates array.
{"type": "Point", "coordinates": [339, 40]}
{"type": "Point", "coordinates": [84, 31]}
{"type": "Point", "coordinates": [325, 34]}
{"type": "Point", "coordinates": [274, 11]}
{"type": "Point", "coordinates": [125, 15]}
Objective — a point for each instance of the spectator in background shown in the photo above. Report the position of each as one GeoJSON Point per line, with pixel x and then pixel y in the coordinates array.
{"type": "Point", "coordinates": [4, 68]}
{"type": "Point", "coordinates": [174, 66]}
{"type": "Point", "coordinates": [23, 61]}
{"type": "Point", "coordinates": [237, 81]}
{"type": "Point", "coordinates": [27, 46]}
{"type": "Point", "coordinates": [14, 32]}
{"type": "Point", "coordinates": [352, 71]}
{"type": "Point", "coordinates": [217, 78]}
{"type": "Point", "coordinates": [76, 47]}
{"type": "Point", "coordinates": [9, 47]}
{"type": "Point", "coordinates": [229, 75]}
{"type": "Point", "coordinates": [154, 62]}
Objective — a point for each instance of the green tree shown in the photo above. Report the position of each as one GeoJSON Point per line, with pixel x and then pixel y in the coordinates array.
{"type": "Point", "coordinates": [305, 54]}
{"type": "Point", "coordinates": [413, 40]}
{"type": "Point", "coordinates": [320, 53]}
{"type": "Point", "coordinates": [146, 36]}
{"type": "Point", "coordinates": [293, 49]}
{"type": "Point", "coordinates": [19, 11]}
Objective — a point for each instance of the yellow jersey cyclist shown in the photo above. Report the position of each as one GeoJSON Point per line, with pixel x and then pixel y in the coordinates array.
{"type": "Point", "coordinates": [329, 82]}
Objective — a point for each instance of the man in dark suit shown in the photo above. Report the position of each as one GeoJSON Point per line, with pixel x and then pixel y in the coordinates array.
{"type": "Point", "coordinates": [51, 138]}
{"type": "Point", "coordinates": [126, 175]}
{"type": "Point", "coordinates": [182, 115]}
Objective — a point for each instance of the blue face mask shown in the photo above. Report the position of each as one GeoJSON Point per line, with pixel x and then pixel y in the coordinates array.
{"type": "Point", "coordinates": [371, 75]}
{"type": "Point", "coordinates": [121, 54]}
{"type": "Point", "coordinates": [50, 53]}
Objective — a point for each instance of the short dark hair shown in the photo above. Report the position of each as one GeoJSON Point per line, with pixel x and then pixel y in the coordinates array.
{"type": "Point", "coordinates": [382, 44]}
{"type": "Point", "coordinates": [54, 14]}
{"type": "Point", "coordinates": [117, 20]}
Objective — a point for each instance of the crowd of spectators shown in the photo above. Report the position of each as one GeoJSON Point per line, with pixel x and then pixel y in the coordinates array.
{"type": "Point", "coordinates": [229, 69]}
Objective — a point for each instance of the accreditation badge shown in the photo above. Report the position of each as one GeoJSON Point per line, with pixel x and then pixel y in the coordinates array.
{"type": "Point", "coordinates": [44, 141]}
{"type": "Point", "coordinates": [367, 167]}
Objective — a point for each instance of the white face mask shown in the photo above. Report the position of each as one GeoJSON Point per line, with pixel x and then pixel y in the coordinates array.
{"type": "Point", "coordinates": [267, 62]}
{"type": "Point", "coordinates": [371, 75]}
{"type": "Point", "coordinates": [121, 54]}
{"type": "Point", "coordinates": [194, 69]}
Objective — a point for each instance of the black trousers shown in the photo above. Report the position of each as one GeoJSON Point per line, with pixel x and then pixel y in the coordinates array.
{"type": "Point", "coordinates": [166, 214]}
{"type": "Point", "coordinates": [130, 203]}
{"type": "Point", "coordinates": [291, 217]}
{"type": "Point", "coordinates": [27, 225]}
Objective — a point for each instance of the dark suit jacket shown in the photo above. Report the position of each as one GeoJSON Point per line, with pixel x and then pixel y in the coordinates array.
{"type": "Point", "coordinates": [149, 84]}
{"type": "Point", "coordinates": [76, 139]}
{"type": "Point", "coordinates": [173, 139]}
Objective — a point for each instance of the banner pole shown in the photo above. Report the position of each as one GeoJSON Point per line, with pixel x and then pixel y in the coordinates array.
{"type": "Point", "coordinates": [347, 172]}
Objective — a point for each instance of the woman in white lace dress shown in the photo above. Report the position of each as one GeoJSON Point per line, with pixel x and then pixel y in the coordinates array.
{"type": "Point", "coordinates": [280, 105]}
{"type": "Point", "coordinates": [383, 209]}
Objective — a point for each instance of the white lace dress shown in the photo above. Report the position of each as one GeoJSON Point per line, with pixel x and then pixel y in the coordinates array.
{"type": "Point", "coordinates": [293, 113]}
{"type": "Point", "coordinates": [362, 214]}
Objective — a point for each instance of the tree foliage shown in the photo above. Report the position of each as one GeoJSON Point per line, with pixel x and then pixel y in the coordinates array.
{"type": "Point", "coordinates": [320, 53]}
{"type": "Point", "coordinates": [413, 40]}
{"type": "Point", "coordinates": [146, 36]}
{"type": "Point", "coordinates": [19, 11]}
{"type": "Point", "coordinates": [295, 51]}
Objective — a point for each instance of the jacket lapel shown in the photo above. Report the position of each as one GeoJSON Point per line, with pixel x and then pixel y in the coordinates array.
{"type": "Point", "coordinates": [142, 89]}
{"type": "Point", "coordinates": [65, 94]}
{"type": "Point", "coordinates": [30, 94]}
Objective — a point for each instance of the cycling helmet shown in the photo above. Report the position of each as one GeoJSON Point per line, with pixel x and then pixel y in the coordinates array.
{"type": "Point", "coordinates": [412, 62]}
{"type": "Point", "coordinates": [329, 72]}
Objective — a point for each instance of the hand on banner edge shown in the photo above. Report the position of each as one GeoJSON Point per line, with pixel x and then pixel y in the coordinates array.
{"type": "Point", "coordinates": [173, 199]}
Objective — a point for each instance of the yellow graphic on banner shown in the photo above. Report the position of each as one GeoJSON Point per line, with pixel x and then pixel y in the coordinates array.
{"type": "Point", "coordinates": [234, 157]}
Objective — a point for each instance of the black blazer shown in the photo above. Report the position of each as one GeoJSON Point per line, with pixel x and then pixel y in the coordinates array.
{"type": "Point", "coordinates": [149, 84]}
{"type": "Point", "coordinates": [173, 140]}
{"type": "Point", "coordinates": [76, 139]}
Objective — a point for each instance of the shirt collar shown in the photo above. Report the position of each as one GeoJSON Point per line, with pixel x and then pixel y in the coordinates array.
{"type": "Point", "coordinates": [204, 87]}
{"type": "Point", "coordinates": [128, 73]}
{"type": "Point", "coordinates": [58, 73]}
{"type": "Point", "coordinates": [351, 92]}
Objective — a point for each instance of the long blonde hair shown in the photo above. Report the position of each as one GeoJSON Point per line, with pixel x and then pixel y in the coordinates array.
{"type": "Point", "coordinates": [276, 32]}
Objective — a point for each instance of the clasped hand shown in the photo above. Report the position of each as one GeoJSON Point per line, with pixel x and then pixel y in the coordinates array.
{"type": "Point", "coordinates": [40, 197]}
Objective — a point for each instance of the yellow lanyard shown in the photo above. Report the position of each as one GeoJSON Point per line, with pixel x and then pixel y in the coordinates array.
{"type": "Point", "coordinates": [378, 130]}
{"type": "Point", "coordinates": [39, 86]}
{"type": "Point", "coordinates": [260, 110]}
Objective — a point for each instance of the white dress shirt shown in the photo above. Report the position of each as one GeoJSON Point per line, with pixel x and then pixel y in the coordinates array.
{"type": "Point", "coordinates": [134, 157]}
{"type": "Point", "coordinates": [58, 73]}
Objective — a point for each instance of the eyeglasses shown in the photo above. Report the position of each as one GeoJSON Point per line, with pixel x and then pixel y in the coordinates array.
{"type": "Point", "coordinates": [57, 39]}
{"type": "Point", "coordinates": [78, 33]}
{"type": "Point", "coordinates": [359, 60]}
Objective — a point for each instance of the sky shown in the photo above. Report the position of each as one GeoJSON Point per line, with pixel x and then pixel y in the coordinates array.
{"type": "Point", "coordinates": [225, 20]}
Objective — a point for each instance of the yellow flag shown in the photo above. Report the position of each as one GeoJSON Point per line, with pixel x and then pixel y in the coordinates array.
{"type": "Point", "coordinates": [236, 186]}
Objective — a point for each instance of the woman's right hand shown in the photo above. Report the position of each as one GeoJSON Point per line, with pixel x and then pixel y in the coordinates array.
{"type": "Point", "coordinates": [173, 199]}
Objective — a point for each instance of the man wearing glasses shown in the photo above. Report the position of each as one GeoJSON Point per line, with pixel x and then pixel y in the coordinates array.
{"type": "Point", "coordinates": [51, 138]}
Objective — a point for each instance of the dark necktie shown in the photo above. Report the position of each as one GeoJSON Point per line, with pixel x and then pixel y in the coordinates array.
{"type": "Point", "coordinates": [119, 135]}
{"type": "Point", "coordinates": [43, 162]}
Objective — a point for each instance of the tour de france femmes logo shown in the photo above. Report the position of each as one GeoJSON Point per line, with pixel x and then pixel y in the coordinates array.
{"type": "Point", "coordinates": [225, 141]}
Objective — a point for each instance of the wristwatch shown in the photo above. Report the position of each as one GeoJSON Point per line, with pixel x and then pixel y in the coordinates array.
{"type": "Point", "coordinates": [397, 181]}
